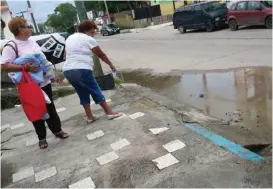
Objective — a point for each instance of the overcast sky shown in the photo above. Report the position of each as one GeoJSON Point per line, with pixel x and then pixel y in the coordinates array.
{"type": "Point", "coordinates": [41, 8]}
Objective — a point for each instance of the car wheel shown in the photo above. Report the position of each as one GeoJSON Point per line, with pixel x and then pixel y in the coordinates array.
{"type": "Point", "coordinates": [233, 26]}
{"type": "Point", "coordinates": [181, 29]}
{"type": "Point", "coordinates": [268, 22]}
{"type": "Point", "coordinates": [209, 26]}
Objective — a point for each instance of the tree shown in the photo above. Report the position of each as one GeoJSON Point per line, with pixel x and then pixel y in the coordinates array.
{"type": "Point", "coordinates": [41, 27]}
{"type": "Point", "coordinates": [114, 6]}
{"type": "Point", "coordinates": [63, 18]}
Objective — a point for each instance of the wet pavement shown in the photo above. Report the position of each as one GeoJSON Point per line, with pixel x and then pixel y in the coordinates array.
{"type": "Point", "coordinates": [240, 97]}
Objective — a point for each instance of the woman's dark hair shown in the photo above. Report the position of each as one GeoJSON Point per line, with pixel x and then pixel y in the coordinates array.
{"type": "Point", "coordinates": [3, 24]}
{"type": "Point", "coordinates": [86, 25]}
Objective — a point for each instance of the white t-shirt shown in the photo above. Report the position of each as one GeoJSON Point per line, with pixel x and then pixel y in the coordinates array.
{"type": "Point", "coordinates": [78, 52]}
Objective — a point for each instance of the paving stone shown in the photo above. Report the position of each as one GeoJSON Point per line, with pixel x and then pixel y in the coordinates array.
{"type": "Point", "coordinates": [165, 161]}
{"type": "Point", "coordinates": [45, 174]}
{"type": "Point", "coordinates": [156, 131]}
{"type": "Point", "coordinates": [119, 144]}
{"type": "Point", "coordinates": [22, 174]}
{"type": "Point", "coordinates": [84, 183]}
{"type": "Point", "coordinates": [108, 100]}
{"type": "Point", "coordinates": [136, 115]}
{"type": "Point", "coordinates": [17, 126]}
{"type": "Point", "coordinates": [31, 142]}
{"type": "Point", "coordinates": [174, 145]}
{"type": "Point", "coordinates": [5, 126]}
{"type": "Point", "coordinates": [60, 110]}
{"type": "Point", "coordinates": [95, 135]}
{"type": "Point", "coordinates": [106, 158]}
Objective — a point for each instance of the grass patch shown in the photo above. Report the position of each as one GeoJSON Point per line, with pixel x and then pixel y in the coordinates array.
{"type": "Point", "coordinates": [10, 98]}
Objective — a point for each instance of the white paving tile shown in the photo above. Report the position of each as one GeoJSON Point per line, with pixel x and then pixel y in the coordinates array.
{"type": "Point", "coordinates": [106, 158]}
{"type": "Point", "coordinates": [32, 141]}
{"type": "Point", "coordinates": [17, 126]}
{"type": "Point", "coordinates": [60, 109]}
{"type": "Point", "coordinates": [45, 174]}
{"type": "Point", "coordinates": [121, 117]}
{"type": "Point", "coordinates": [165, 161]}
{"type": "Point", "coordinates": [84, 183]}
{"type": "Point", "coordinates": [136, 115]}
{"type": "Point", "coordinates": [95, 135]}
{"type": "Point", "coordinates": [22, 174]}
{"type": "Point", "coordinates": [108, 100]}
{"type": "Point", "coordinates": [92, 102]}
{"type": "Point", "coordinates": [5, 126]}
{"type": "Point", "coordinates": [120, 144]}
{"type": "Point", "coordinates": [156, 131]}
{"type": "Point", "coordinates": [174, 145]}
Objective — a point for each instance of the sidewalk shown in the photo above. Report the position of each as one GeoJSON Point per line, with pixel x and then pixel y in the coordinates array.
{"type": "Point", "coordinates": [137, 30]}
{"type": "Point", "coordinates": [149, 147]}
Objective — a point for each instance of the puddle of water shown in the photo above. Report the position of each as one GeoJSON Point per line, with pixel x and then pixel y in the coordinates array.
{"type": "Point", "coordinates": [239, 95]}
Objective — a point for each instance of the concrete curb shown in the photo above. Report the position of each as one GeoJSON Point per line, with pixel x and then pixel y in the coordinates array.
{"type": "Point", "coordinates": [137, 30]}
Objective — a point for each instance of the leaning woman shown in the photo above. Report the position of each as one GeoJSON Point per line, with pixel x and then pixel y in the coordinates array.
{"type": "Point", "coordinates": [21, 31]}
{"type": "Point", "coordinates": [80, 48]}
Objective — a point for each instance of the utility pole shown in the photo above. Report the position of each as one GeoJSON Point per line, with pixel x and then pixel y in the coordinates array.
{"type": "Point", "coordinates": [107, 12]}
{"type": "Point", "coordinates": [174, 5]}
{"type": "Point", "coordinates": [22, 13]}
{"type": "Point", "coordinates": [32, 16]}
{"type": "Point", "coordinates": [80, 6]}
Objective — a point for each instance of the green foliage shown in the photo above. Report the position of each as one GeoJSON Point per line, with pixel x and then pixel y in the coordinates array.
{"type": "Point", "coordinates": [113, 6]}
{"type": "Point", "coordinates": [63, 18]}
{"type": "Point", "coordinates": [41, 28]}
{"type": "Point", "coordinates": [10, 98]}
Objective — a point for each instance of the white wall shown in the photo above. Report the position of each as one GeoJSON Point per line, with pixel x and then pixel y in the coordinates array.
{"type": "Point", "coordinates": [5, 15]}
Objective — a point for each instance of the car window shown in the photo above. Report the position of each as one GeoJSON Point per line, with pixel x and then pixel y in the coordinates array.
{"type": "Point", "coordinates": [241, 6]}
{"type": "Point", "coordinates": [188, 11]}
{"type": "Point", "coordinates": [267, 3]}
{"type": "Point", "coordinates": [111, 25]}
{"type": "Point", "coordinates": [189, 8]}
{"type": "Point", "coordinates": [197, 8]}
{"type": "Point", "coordinates": [253, 5]}
{"type": "Point", "coordinates": [212, 6]}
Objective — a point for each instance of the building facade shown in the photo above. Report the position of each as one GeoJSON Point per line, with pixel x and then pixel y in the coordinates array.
{"type": "Point", "coordinates": [167, 6]}
{"type": "Point", "coordinates": [5, 18]}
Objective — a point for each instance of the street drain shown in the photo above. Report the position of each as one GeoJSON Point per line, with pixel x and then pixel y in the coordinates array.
{"type": "Point", "coordinates": [261, 149]}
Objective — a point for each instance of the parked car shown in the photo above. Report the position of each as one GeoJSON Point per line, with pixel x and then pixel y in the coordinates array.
{"type": "Point", "coordinates": [253, 12]}
{"type": "Point", "coordinates": [64, 34]}
{"type": "Point", "coordinates": [204, 15]}
{"type": "Point", "coordinates": [109, 29]}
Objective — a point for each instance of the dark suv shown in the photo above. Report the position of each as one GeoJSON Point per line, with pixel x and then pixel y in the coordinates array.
{"type": "Point", "coordinates": [205, 15]}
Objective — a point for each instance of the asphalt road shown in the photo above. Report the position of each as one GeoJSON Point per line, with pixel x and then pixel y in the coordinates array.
{"type": "Point", "coordinates": [165, 49]}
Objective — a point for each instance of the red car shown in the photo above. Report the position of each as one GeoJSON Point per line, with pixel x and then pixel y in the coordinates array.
{"type": "Point", "coordinates": [245, 13]}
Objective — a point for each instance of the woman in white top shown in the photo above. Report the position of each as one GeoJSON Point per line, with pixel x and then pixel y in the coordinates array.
{"type": "Point", "coordinates": [79, 65]}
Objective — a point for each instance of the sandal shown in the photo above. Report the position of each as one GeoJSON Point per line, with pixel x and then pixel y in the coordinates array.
{"type": "Point", "coordinates": [89, 121]}
{"type": "Point", "coordinates": [62, 135]}
{"type": "Point", "coordinates": [111, 117]}
{"type": "Point", "coordinates": [43, 144]}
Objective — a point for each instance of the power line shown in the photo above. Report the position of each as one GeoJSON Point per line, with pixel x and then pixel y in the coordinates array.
{"type": "Point", "coordinates": [22, 13]}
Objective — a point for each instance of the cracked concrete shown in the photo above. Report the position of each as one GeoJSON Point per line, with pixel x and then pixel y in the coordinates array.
{"type": "Point", "coordinates": [201, 164]}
